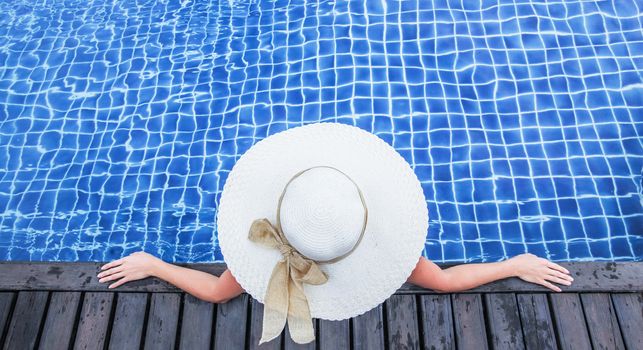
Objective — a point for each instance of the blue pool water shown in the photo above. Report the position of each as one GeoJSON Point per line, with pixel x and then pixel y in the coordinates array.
{"type": "Point", "coordinates": [120, 121]}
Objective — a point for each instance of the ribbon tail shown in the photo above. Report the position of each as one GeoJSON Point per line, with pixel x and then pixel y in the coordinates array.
{"type": "Point", "coordinates": [275, 310]}
{"type": "Point", "coordinates": [300, 323]}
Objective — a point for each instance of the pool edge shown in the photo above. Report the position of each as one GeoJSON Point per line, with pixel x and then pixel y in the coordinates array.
{"type": "Point", "coordinates": [81, 276]}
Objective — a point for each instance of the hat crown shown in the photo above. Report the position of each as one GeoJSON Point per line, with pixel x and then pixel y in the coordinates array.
{"type": "Point", "coordinates": [322, 214]}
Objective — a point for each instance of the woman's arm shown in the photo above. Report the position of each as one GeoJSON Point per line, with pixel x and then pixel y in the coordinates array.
{"type": "Point", "coordinates": [527, 267]}
{"type": "Point", "coordinates": [200, 284]}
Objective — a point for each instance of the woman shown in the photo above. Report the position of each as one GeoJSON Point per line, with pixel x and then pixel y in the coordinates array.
{"type": "Point", "coordinates": [348, 216]}
{"type": "Point", "coordinates": [340, 197]}
{"type": "Point", "coordinates": [333, 207]}
{"type": "Point", "coordinates": [426, 274]}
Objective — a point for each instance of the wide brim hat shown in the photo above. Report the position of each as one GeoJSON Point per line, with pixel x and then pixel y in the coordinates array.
{"type": "Point", "coordinates": [393, 237]}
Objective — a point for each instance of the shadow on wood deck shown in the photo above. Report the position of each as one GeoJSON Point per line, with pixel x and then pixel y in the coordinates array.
{"type": "Point", "coordinates": [62, 306]}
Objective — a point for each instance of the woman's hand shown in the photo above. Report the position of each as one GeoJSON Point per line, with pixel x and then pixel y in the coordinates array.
{"type": "Point", "coordinates": [531, 268]}
{"type": "Point", "coordinates": [133, 267]}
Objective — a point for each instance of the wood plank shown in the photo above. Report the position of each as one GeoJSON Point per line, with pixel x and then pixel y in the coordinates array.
{"type": "Point", "coordinates": [28, 314]}
{"type": "Point", "coordinates": [569, 321]}
{"type": "Point", "coordinates": [469, 321]}
{"type": "Point", "coordinates": [437, 321]}
{"type": "Point", "coordinates": [536, 321]}
{"type": "Point", "coordinates": [6, 304]}
{"type": "Point", "coordinates": [162, 321]}
{"type": "Point", "coordinates": [129, 321]}
{"type": "Point", "coordinates": [231, 324]}
{"type": "Point", "coordinates": [368, 330]}
{"type": "Point", "coordinates": [504, 321]}
{"type": "Point", "coordinates": [289, 344]}
{"type": "Point", "coordinates": [197, 323]}
{"type": "Point", "coordinates": [334, 334]}
{"type": "Point", "coordinates": [81, 276]}
{"type": "Point", "coordinates": [588, 276]}
{"type": "Point", "coordinates": [629, 310]}
{"type": "Point", "coordinates": [402, 322]}
{"type": "Point", "coordinates": [256, 326]}
{"type": "Point", "coordinates": [94, 320]}
{"type": "Point", "coordinates": [601, 321]}
{"type": "Point", "coordinates": [60, 322]}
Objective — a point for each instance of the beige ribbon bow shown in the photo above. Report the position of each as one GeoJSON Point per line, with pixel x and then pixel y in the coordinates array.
{"type": "Point", "coordinates": [285, 298]}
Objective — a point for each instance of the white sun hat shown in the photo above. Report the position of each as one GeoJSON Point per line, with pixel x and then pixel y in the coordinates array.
{"type": "Point", "coordinates": [338, 196]}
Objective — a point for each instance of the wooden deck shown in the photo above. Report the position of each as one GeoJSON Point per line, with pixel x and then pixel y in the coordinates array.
{"type": "Point", "coordinates": [61, 306]}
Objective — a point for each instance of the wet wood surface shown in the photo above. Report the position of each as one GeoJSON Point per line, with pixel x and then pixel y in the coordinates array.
{"type": "Point", "coordinates": [165, 318]}
{"type": "Point", "coordinates": [81, 276]}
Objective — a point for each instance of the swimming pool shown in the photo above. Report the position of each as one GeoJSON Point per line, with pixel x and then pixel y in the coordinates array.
{"type": "Point", "coordinates": [119, 121]}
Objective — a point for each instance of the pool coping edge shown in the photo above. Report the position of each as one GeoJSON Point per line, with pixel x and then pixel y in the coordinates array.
{"type": "Point", "coordinates": [81, 276]}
